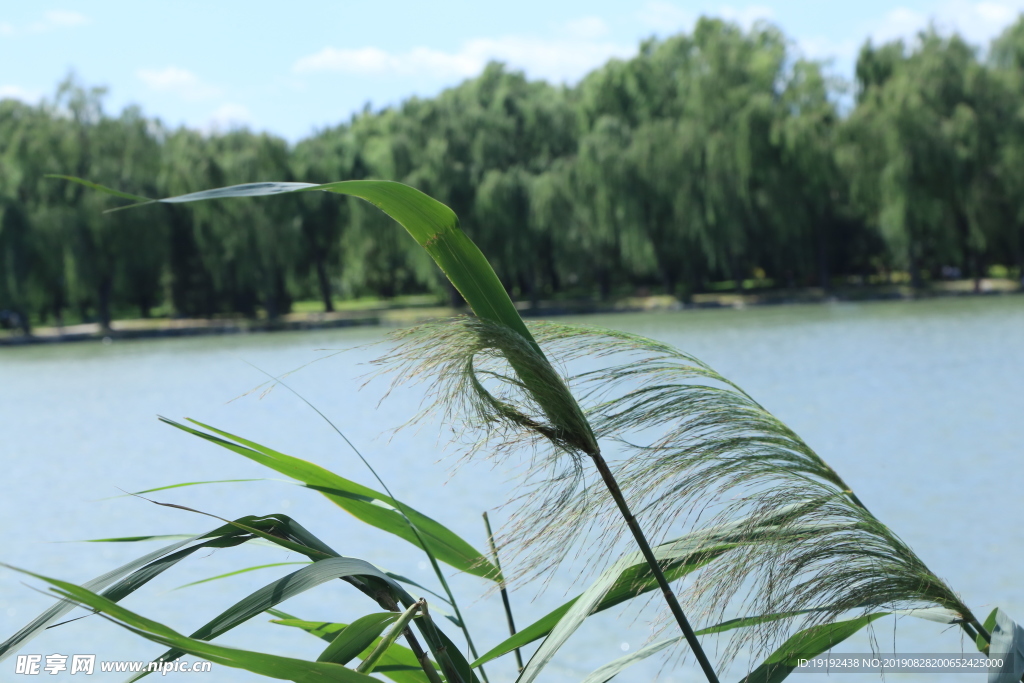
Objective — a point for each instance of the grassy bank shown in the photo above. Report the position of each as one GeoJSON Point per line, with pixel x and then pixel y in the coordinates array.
{"type": "Point", "coordinates": [408, 310]}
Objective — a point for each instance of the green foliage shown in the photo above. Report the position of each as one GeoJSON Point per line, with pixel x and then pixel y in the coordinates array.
{"type": "Point", "coordinates": [362, 502]}
{"type": "Point", "coordinates": [706, 158]}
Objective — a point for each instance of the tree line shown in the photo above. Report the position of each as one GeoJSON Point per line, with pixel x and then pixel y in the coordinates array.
{"type": "Point", "coordinates": [720, 155]}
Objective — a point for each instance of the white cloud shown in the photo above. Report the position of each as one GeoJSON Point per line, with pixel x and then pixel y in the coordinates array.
{"type": "Point", "coordinates": [178, 81]}
{"type": "Point", "coordinates": [747, 16]}
{"type": "Point", "coordinates": [587, 28]}
{"type": "Point", "coordinates": [16, 92]}
{"type": "Point", "coordinates": [665, 17]}
{"type": "Point", "coordinates": [6, 29]}
{"type": "Point", "coordinates": [59, 17]}
{"type": "Point", "coordinates": [560, 59]}
{"type": "Point", "coordinates": [978, 22]}
{"type": "Point", "coordinates": [900, 22]}
{"type": "Point", "coordinates": [226, 117]}
{"type": "Point", "coordinates": [996, 12]}
{"type": "Point", "coordinates": [819, 48]}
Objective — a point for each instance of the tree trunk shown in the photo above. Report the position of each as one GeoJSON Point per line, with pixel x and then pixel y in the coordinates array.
{"type": "Point", "coordinates": [103, 307]}
{"type": "Point", "coordinates": [23, 321]}
{"type": "Point", "coordinates": [145, 303]}
{"type": "Point", "coordinates": [734, 270]}
{"type": "Point", "coordinates": [824, 276]}
{"type": "Point", "coordinates": [915, 272]}
{"type": "Point", "coordinates": [669, 278]}
{"type": "Point", "coordinates": [325, 284]}
{"type": "Point", "coordinates": [604, 284]}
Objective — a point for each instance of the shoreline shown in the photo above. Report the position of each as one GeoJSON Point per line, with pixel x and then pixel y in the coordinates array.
{"type": "Point", "coordinates": [159, 328]}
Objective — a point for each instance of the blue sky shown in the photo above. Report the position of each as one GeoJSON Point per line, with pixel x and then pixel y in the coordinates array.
{"type": "Point", "coordinates": [290, 69]}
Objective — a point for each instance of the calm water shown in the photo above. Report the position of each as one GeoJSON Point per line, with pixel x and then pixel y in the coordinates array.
{"type": "Point", "coordinates": [918, 405]}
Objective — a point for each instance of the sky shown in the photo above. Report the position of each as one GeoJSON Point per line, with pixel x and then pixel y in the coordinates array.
{"type": "Point", "coordinates": [295, 69]}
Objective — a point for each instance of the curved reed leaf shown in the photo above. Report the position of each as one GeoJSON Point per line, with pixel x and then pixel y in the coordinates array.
{"type": "Point", "coordinates": [133, 575]}
{"type": "Point", "coordinates": [432, 224]}
{"type": "Point", "coordinates": [616, 666]}
{"type": "Point", "coordinates": [136, 539]}
{"type": "Point", "coordinates": [188, 483]}
{"type": "Point", "coordinates": [280, 590]}
{"type": "Point", "coordinates": [364, 503]}
{"type": "Point", "coordinates": [283, 668]}
{"type": "Point", "coordinates": [237, 572]}
{"type": "Point", "coordinates": [807, 643]}
{"type": "Point", "coordinates": [360, 635]}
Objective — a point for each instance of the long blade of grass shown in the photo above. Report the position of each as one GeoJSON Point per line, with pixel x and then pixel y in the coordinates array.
{"type": "Point", "coordinates": [282, 668]}
{"type": "Point", "coordinates": [103, 188]}
{"type": "Point", "coordinates": [134, 539]}
{"type": "Point", "coordinates": [183, 484]}
{"type": "Point", "coordinates": [617, 666]}
{"type": "Point", "coordinates": [352, 640]}
{"type": "Point", "coordinates": [368, 505]}
{"type": "Point", "coordinates": [805, 644]}
{"type": "Point", "coordinates": [278, 591]}
{"type": "Point", "coordinates": [580, 609]}
{"type": "Point", "coordinates": [237, 572]}
{"type": "Point", "coordinates": [420, 540]}
{"type": "Point", "coordinates": [364, 503]}
{"type": "Point", "coordinates": [432, 224]}
{"type": "Point", "coordinates": [130, 576]}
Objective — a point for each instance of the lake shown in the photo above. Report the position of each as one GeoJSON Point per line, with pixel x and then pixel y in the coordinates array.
{"type": "Point", "coordinates": [918, 406]}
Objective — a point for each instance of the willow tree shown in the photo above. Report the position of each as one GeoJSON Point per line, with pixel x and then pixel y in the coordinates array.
{"type": "Point", "coordinates": [924, 157]}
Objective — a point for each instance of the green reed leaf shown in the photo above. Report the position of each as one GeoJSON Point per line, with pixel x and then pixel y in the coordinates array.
{"type": "Point", "coordinates": [273, 666]}
{"type": "Point", "coordinates": [358, 636]}
{"type": "Point", "coordinates": [133, 575]}
{"type": "Point", "coordinates": [805, 644]}
{"type": "Point", "coordinates": [237, 572]}
{"type": "Point", "coordinates": [367, 505]}
{"type": "Point", "coordinates": [280, 590]}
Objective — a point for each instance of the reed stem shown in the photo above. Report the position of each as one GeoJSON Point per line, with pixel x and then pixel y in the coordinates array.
{"type": "Point", "coordinates": [504, 592]}
{"type": "Point", "coordinates": [422, 657]}
{"type": "Point", "coordinates": [652, 561]}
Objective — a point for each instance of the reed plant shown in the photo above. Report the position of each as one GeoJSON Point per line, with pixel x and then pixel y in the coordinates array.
{"type": "Point", "coordinates": [771, 530]}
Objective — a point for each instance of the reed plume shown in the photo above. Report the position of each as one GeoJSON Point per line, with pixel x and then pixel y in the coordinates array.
{"type": "Point", "coordinates": [698, 453]}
